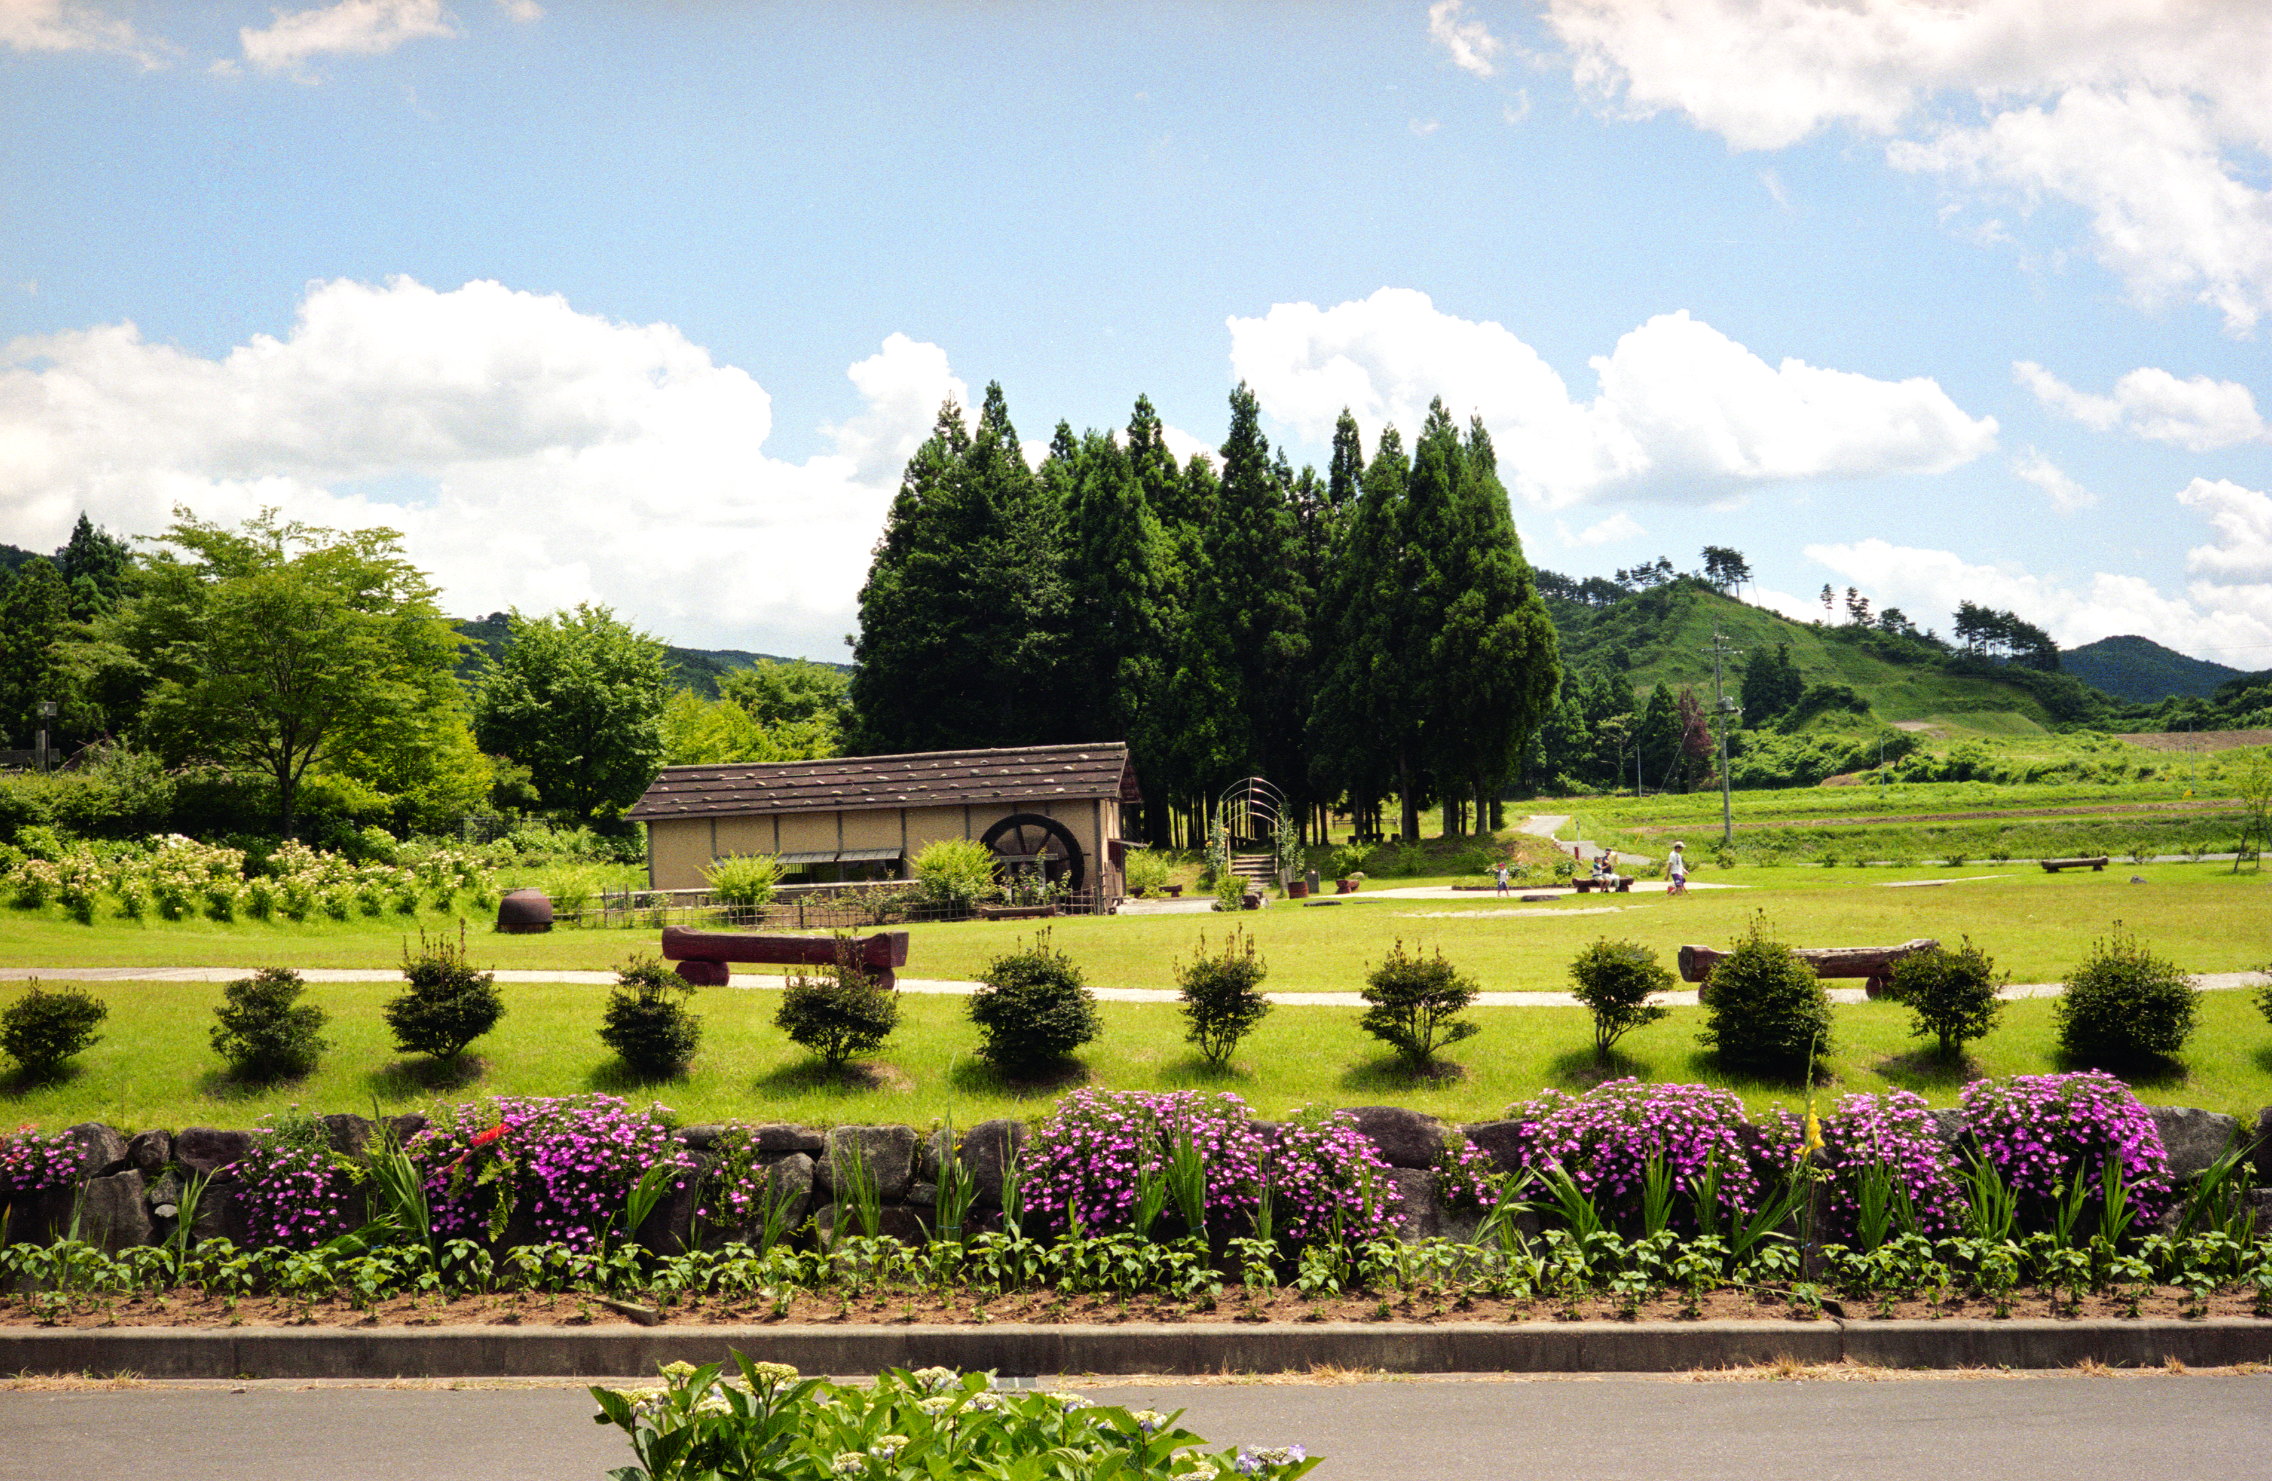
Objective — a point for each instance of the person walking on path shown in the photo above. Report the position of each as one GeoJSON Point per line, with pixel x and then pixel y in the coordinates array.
{"type": "Point", "coordinates": [1499, 875]}
{"type": "Point", "coordinates": [1677, 867]}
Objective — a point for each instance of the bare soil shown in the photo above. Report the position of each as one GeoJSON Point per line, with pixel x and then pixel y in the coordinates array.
{"type": "Point", "coordinates": [196, 1311]}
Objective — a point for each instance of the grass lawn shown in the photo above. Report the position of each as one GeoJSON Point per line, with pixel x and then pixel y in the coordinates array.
{"type": "Point", "coordinates": [2036, 925]}
{"type": "Point", "coordinates": [154, 1066]}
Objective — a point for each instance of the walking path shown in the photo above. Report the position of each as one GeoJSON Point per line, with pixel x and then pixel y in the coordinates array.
{"type": "Point", "coordinates": [1681, 998]}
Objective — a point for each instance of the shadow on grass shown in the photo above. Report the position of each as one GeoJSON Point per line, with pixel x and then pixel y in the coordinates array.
{"type": "Point", "coordinates": [1582, 1069]}
{"type": "Point", "coordinates": [232, 1084]}
{"type": "Point", "coordinates": [614, 1077]}
{"type": "Point", "coordinates": [1391, 1073]}
{"type": "Point", "coordinates": [853, 1077]}
{"type": "Point", "coordinates": [1196, 1072]}
{"type": "Point", "coordinates": [2150, 1072]}
{"type": "Point", "coordinates": [20, 1082]}
{"type": "Point", "coordinates": [403, 1079]}
{"type": "Point", "coordinates": [1928, 1069]}
{"type": "Point", "coordinates": [979, 1077]}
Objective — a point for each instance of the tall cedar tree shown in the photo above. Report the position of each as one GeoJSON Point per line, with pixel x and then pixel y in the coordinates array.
{"type": "Point", "coordinates": [963, 616]}
{"type": "Point", "coordinates": [1366, 729]}
{"type": "Point", "coordinates": [1117, 570]}
{"type": "Point", "coordinates": [1253, 605]}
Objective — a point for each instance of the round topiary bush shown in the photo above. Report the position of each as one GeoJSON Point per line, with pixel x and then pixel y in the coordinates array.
{"type": "Point", "coordinates": [1415, 1006]}
{"type": "Point", "coordinates": [647, 1022]}
{"type": "Point", "coordinates": [1951, 994]}
{"type": "Point", "coordinates": [264, 1031]}
{"type": "Point", "coordinates": [447, 1004]}
{"type": "Point", "coordinates": [1032, 1009]}
{"type": "Point", "coordinates": [1614, 981]}
{"type": "Point", "coordinates": [1766, 1012]}
{"type": "Point", "coordinates": [1222, 996]}
{"type": "Point", "coordinates": [838, 1011]}
{"type": "Point", "coordinates": [43, 1029]}
{"type": "Point", "coordinates": [2125, 1006]}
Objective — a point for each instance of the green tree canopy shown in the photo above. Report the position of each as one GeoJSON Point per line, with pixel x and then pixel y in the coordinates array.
{"type": "Point", "coordinates": [578, 699]}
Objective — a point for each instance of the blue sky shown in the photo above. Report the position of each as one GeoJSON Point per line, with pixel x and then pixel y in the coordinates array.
{"type": "Point", "coordinates": [644, 303]}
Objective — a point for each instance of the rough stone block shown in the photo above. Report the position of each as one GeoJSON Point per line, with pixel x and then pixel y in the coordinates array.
{"type": "Point", "coordinates": [669, 1226]}
{"type": "Point", "coordinates": [1406, 1138]}
{"type": "Point", "coordinates": [2195, 1138]}
{"type": "Point", "coordinates": [888, 1151]}
{"type": "Point", "coordinates": [774, 1138]}
{"type": "Point", "coordinates": [349, 1135]}
{"type": "Point", "coordinates": [1417, 1198]}
{"type": "Point", "coordinates": [114, 1214]}
{"type": "Point", "coordinates": [102, 1149]}
{"type": "Point", "coordinates": [2264, 1145]}
{"type": "Point", "coordinates": [1504, 1142]}
{"type": "Point", "coordinates": [149, 1151]}
{"type": "Point", "coordinates": [987, 1151]}
{"type": "Point", "coordinates": [895, 1220]}
{"type": "Point", "coordinates": [1949, 1124]}
{"type": "Point", "coordinates": [207, 1150]}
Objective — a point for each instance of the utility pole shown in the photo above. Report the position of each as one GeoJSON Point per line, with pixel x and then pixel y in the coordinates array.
{"type": "Point", "coordinates": [1727, 710]}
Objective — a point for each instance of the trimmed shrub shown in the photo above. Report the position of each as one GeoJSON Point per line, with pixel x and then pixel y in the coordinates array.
{"type": "Point", "coordinates": [1031, 1009]}
{"type": "Point", "coordinates": [2124, 1005]}
{"type": "Point", "coordinates": [1222, 996]}
{"type": "Point", "coordinates": [1951, 994]}
{"type": "Point", "coordinates": [647, 1022]}
{"type": "Point", "coordinates": [1416, 1002]}
{"type": "Point", "coordinates": [42, 1029]}
{"type": "Point", "coordinates": [447, 1004]}
{"type": "Point", "coordinates": [955, 873]}
{"type": "Point", "coordinates": [1615, 980]}
{"type": "Point", "coordinates": [743, 879]}
{"type": "Point", "coordinates": [1766, 1012]}
{"type": "Point", "coordinates": [264, 1031]}
{"type": "Point", "coordinates": [838, 1011]}
{"type": "Point", "coordinates": [1147, 872]}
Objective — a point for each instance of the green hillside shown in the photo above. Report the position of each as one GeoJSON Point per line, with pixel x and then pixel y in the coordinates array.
{"type": "Point", "coordinates": [1664, 634]}
{"type": "Point", "coordinates": [698, 669]}
{"type": "Point", "coordinates": [2141, 670]}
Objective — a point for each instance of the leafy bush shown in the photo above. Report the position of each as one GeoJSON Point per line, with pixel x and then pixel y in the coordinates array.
{"type": "Point", "coordinates": [743, 879]}
{"type": "Point", "coordinates": [447, 1004]}
{"type": "Point", "coordinates": [1615, 980]}
{"type": "Point", "coordinates": [1031, 1009]}
{"type": "Point", "coordinates": [1349, 859]}
{"type": "Point", "coordinates": [1222, 996]}
{"type": "Point", "coordinates": [42, 1029]}
{"type": "Point", "coordinates": [1952, 994]}
{"type": "Point", "coordinates": [1230, 892]}
{"type": "Point", "coordinates": [1765, 1011]}
{"type": "Point", "coordinates": [264, 1031]}
{"type": "Point", "coordinates": [2124, 1005]}
{"type": "Point", "coordinates": [838, 1011]}
{"type": "Point", "coordinates": [1416, 1002]}
{"type": "Point", "coordinates": [647, 1022]}
{"type": "Point", "coordinates": [1147, 872]}
{"type": "Point", "coordinates": [2041, 1132]}
{"type": "Point", "coordinates": [955, 873]}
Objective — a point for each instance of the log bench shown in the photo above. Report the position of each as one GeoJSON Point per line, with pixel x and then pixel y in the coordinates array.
{"type": "Point", "coordinates": [1016, 912]}
{"type": "Point", "coordinates": [1874, 963]}
{"type": "Point", "coordinates": [702, 956]}
{"type": "Point", "coordinates": [2053, 866]}
{"type": "Point", "coordinates": [1586, 884]}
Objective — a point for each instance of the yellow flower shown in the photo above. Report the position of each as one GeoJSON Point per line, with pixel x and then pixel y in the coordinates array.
{"type": "Point", "coordinates": [1814, 1128]}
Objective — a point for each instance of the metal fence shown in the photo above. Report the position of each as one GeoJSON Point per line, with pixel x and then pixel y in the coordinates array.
{"type": "Point", "coordinates": [836, 907]}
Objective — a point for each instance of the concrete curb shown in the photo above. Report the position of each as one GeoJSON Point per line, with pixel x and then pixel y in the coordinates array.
{"type": "Point", "coordinates": [1135, 1347]}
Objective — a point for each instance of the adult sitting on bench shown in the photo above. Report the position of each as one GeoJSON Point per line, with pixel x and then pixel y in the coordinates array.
{"type": "Point", "coordinates": [1605, 876]}
{"type": "Point", "coordinates": [702, 956]}
{"type": "Point", "coordinates": [1872, 962]}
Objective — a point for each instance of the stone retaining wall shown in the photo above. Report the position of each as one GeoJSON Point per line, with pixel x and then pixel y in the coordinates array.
{"type": "Point", "coordinates": [129, 1184]}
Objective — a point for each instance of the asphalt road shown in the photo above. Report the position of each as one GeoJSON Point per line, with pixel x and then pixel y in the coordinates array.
{"type": "Point", "coordinates": [1609, 1429]}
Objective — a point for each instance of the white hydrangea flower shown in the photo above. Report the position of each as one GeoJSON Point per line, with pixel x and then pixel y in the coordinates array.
{"type": "Point", "coordinates": [886, 1447]}
{"type": "Point", "coordinates": [849, 1463]}
{"type": "Point", "coordinates": [1067, 1402]}
{"type": "Point", "coordinates": [1149, 1420]}
{"type": "Point", "coordinates": [937, 1378]}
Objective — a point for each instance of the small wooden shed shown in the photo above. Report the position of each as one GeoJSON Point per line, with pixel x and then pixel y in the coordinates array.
{"type": "Point", "coordinates": [1064, 811]}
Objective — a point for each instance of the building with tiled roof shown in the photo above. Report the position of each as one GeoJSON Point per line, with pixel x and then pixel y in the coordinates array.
{"type": "Point", "coordinates": [1057, 809]}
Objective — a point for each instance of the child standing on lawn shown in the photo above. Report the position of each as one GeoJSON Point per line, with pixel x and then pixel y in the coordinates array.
{"type": "Point", "coordinates": [1677, 867]}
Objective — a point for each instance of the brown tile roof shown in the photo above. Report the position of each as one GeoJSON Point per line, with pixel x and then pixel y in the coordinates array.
{"type": "Point", "coordinates": [923, 779]}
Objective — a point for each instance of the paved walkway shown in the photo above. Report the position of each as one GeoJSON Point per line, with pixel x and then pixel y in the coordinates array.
{"type": "Point", "coordinates": [1624, 1428]}
{"type": "Point", "coordinates": [1681, 998]}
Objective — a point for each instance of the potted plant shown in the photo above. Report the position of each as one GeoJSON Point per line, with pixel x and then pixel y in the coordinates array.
{"type": "Point", "coordinates": [1349, 867]}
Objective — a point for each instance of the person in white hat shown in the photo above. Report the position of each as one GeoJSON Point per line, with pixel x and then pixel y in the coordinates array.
{"type": "Point", "coordinates": [1677, 868]}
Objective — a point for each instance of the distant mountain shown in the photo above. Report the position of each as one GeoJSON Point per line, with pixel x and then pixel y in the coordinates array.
{"type": "Point", "coordinates": [2141, 670]}
{"type": "Point", "coordinates": [699, 669]}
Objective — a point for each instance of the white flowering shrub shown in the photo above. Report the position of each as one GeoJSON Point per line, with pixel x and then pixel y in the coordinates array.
{"type": "Point", "coordinates": [181, 879]}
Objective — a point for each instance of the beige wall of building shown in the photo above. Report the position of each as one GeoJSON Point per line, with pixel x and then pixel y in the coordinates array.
{"type": "Point", "coordinates": [678, 849]}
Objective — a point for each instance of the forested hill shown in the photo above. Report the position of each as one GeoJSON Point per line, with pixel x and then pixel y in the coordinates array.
{"type": "Point", "coordinates": [1663, 634]}
{"type": "Point", "coordinates": [698, 669]}
{"type": "Point", "coordinates": [2142, 671]}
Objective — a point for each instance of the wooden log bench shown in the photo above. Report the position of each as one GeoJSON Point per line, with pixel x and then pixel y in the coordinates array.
{"type": "Point", "coordinates": [1586, 884]}
{"type": "Point", "coordinates": [1872, 963]}
{"type": "Point", "coordinates": [2053, 866]}
{"type": "Point", "coordinates": [1016, 912]}
{"type": "Point", "coordinates": [703, 956]}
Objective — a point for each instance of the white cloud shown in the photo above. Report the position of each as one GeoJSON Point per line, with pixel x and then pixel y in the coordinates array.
{"type": "Point", "coordinates": [347, 28]}
{"type": "Point", "coordinates": [67, 25]}
{"type": "Point", "coordinates": [522, 10]}
{"type": "Point", "coordinates": [2066, 495]}
{"type": "Point", "coordinates": [2225, 614]}
{"type": "Point", "coordinates": [1683, 412]}
{"type": "Point", "coordinates": [1619, 526]}
{"type": "Point", "coordinates": [1469, 43]}
{"type": "Point", "coordinates": [531, 454]}
{"type": "Point", "coordinates": [2200, 414]}
{"type": "Point", "coordinates": [2155, 118]}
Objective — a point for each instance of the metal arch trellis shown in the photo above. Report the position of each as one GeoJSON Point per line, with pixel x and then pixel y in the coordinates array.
{"type": "Point", "coordinates": [1251, 810]}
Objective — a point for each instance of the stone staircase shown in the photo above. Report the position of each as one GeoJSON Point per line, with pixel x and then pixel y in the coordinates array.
{"type": "Point", "coordinates": [1261, 868]}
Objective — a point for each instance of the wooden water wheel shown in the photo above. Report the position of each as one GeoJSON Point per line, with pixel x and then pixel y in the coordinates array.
{"type": "Point", "coordinates": [1028, 843]}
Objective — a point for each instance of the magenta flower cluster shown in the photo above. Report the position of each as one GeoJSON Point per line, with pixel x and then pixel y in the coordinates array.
{"type": "Point", "coordinates": [292, 1193]}
{"type": "Point", "coordinates": [33, 1162]}
{"type": "Point", "coordinates": [1325, 1175]}
{"type": "Point", "coordinates": [1087, 1160]}
{"type": "Point", "coordinates": [567, 1162]}
{"type": "Point", "coordinates": [1893, 1129]}
{"type": "Point", "coordinates": [1606, 1138]}
{"type": "Point", "coordinates": [1464, 1172]}
{"type": "Point", "coordinates": [2038, 1131]}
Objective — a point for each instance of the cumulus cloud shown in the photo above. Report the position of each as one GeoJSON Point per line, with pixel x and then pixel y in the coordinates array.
{"type": "Point", "coordinates": [1469, 43]}
{"type": "Point", "coordinates": [67, 25]}
{"type": "Point", "coordinates": [532, 455]}
{"type": "Point", "coordinates": [2153, 118]}
{"type": "Point", "coordinates": [348, 28]}
{"type": "Point", "coordinates": [2066, 495]}
{"type": "Point", "coordinates": [2225, 613]}
{"type": "Point", "coordinates": [521, 10]}
{"type": "Point", "coordinates": [1619, 526]}
{"type": "Point", "coordinates": [2200, 414]}
{"type": "Point", "coordinates": [1682, 411]}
